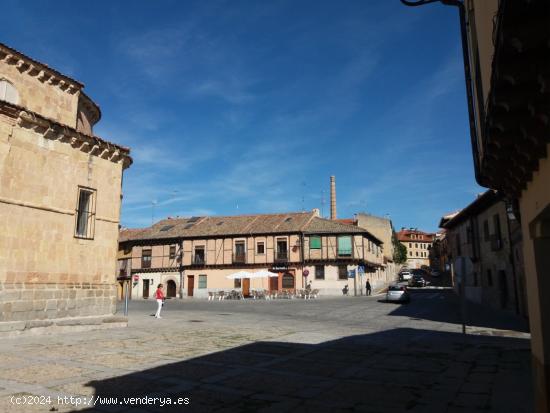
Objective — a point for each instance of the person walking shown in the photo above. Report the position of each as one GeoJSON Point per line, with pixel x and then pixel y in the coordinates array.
{"type": "Point", "coordinates": [369, 288]}
{"type": "Point", "coordinates": [159, 295]}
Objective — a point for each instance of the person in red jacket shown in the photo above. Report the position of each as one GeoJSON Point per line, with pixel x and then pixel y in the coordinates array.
{"type": "Point", "coordinates": [159, 295]}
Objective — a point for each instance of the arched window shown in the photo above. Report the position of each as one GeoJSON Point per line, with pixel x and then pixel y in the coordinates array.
{"type": "Point", "coordinates": [8, 92]}
{"type": "Point", "coordinates": [288, 280]}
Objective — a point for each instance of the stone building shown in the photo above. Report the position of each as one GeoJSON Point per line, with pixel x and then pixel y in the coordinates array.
{"type": "Point", "coordinates": [418, 245]}
{"type": "Point", "coordinates": [193, 257]}
{"type": "Point", "coordinates": [482, 233]}
{"type": "Point", "coordinates": [60, 195]}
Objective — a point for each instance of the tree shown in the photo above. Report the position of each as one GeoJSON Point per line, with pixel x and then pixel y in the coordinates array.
{"type": "Point", "coordinates": [399, 251]}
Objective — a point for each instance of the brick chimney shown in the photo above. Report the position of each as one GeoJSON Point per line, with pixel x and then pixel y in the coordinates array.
{"type": "Point", "coordinates": [332, 197]}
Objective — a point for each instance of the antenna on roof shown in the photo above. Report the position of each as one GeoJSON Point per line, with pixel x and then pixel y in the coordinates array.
{"type": "Point", "coordinates": [153, 204]}
{"type": "Point", "coordinates": [322, 203]}
{"type": "Point", "coordinates": [303, 196]}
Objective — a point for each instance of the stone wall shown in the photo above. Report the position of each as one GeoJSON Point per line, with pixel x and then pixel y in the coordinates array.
{"type": "Point", "coordinates": [40, 301]}
{"type": "Point", "coordinates": [41, 96]}
{"type": "Point", "coordinates": [45, 271]}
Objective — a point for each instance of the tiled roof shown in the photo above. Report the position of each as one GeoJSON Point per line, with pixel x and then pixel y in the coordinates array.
{"type": "Point", "coordinates": [322, 225]}
{"type": "Point", "coordinates": [195, 227]}
{"type": "Point", "coordinates": [481, 203]}
{"type": "Point", "coordinates": [405, 235]}
{"type": "Point", "coordinates": [225, 225]}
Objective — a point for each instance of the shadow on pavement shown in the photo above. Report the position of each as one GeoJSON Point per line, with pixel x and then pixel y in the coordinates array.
{"type": "Point", "coordinates": [402, 369]}
{"type": "Point", "coordinates": [448, 311]}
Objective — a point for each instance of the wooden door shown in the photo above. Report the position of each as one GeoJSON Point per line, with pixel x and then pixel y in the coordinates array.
{"type": "Point", "coordinates": [190, 285]}
{"type": "Point", "coordinates": [170, 289]}
{"type": "Point", "coordinates": [273, 283]}
{"type": "Point", "coordinates": [145, 288]}
{"type": "Point", "coordinates": [246, 287]}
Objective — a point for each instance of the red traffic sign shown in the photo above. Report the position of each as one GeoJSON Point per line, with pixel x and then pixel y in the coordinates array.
{"type": "Point", "coordinates": [305, 273]}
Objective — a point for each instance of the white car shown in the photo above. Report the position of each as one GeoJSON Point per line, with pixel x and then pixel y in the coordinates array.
{"type": "Point", "coordinates": [405, 275]}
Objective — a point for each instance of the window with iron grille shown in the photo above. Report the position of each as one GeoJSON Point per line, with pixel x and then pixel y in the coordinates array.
{"type": "Point", "coordinates": [85, 213]}
{"type": "Point", "coordinates": [342, 272]}
{"type": "Point", "coordinates": [172, 252]}
{"type": "Point", "coordinates": [237, 283]}
{"type": "Point", "coordinates": [319, 272]}
{"type": "Point", "coordinates": [202, 281]}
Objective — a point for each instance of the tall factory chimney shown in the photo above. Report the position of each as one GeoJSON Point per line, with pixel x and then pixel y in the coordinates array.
{"type": "Point", "coordinates": [332, 197]}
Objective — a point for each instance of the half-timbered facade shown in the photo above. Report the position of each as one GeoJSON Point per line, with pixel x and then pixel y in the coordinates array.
{"type": "Point", "coordinates": [195, 256]}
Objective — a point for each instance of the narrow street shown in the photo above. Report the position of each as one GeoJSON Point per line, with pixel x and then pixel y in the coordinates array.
{"type": "Point", "coordinates": [329, 354]}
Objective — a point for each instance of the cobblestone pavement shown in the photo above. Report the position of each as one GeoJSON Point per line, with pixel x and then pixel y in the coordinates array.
{"type": "Point", "coordinates": [330, 354]}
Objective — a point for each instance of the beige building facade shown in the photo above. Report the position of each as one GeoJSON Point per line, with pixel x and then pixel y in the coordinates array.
{"type": "Point", "coordinates": [60, 192]}
{"type": "Point", "coordinates": [193, 257]}
{"type": "Point", "coordinates": [482, 234]}
{"type": "Point", "coordinates": [381, 228]}
{"type": "Point", "coordinates": [418, 245]}
{"type": "Point", "coordinates": [511, 140]}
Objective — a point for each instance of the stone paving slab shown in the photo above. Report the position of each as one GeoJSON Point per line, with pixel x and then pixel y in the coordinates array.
{"type": "Point", "coordinates": [333, 355]}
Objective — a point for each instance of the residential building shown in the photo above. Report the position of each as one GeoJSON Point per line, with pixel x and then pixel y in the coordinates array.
{"type": "Point", "coordinates": [381, 228]}
{"type": "Point", "coordinates": [510, 133]}
{"type": "Point", "coordinates": [194, 256]}
{"type": "Point", "coordinates": [482, 234]}
{"type": "Point", "coordinates": [439, 253]}
{"type": "Point", "coordinates": [60, 193]}
{"type": "Point", "coordinates": [418, 245]}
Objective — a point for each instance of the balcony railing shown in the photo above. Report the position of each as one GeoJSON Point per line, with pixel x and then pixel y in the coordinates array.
{"type": "Point", "coordinates": [198, 259]}
{"type": "Point", "coordinates": [239, 258]}
{"type": "Point", "coordinates": [281, 256]}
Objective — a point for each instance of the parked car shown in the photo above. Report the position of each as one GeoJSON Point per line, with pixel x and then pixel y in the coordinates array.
{"type": "Point", "coordinates": [398, 293]}
{"type": "Point", "coordinates": [405, 275]}
{"type": "Point", "coordinates": [417, 281]}
{"type": "Point", "coordinates": [420, 272]}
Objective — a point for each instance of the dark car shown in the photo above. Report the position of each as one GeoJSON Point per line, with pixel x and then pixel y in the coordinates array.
{"type": "Point", "coordinates": [421, 272]}
{"type": "Point", "coordinates": [417, 281]}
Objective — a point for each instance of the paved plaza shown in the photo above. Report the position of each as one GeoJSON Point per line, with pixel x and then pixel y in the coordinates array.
{"type": "Point", "coordinates": [331, 354]}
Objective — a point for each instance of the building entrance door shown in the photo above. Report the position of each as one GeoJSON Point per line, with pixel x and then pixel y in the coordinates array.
{"type": "Point", "coordinates": [288, 281]}
{"type": "Point", "coordinates": [273, 283]}
{"type": "Point", "coordinates": [170, 289]}
{"type": "Point", "coordinates": [246, 287]}
{"type": "Point", "coordinates": [145, 288]}
{"type": "Point", "coordinates": [190, 285]}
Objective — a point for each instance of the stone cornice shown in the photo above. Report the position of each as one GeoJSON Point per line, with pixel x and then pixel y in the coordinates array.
{"type": "Point", "coordinates": [52, 130]}
{"type": "Point", "coordinates": [39, 70]}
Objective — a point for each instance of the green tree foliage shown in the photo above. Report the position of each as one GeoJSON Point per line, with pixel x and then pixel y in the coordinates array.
{"type": "Point", "coordinates": [399, 252]}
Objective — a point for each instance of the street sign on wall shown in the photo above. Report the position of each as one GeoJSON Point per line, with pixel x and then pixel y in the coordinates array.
{"type": "Point", "coordinates": [361, 269]}
{"type": "Point", "coordinates": [351, 273]}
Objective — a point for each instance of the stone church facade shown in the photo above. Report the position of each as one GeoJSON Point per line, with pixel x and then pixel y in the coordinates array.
{"type": "Point", "coordinates": [60, 196]}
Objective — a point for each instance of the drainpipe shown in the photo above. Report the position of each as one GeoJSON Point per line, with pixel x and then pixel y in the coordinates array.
{"type": "Point", "coordinates": [180, 267]}
{"type": "Point", "coordinates": [467, 75]}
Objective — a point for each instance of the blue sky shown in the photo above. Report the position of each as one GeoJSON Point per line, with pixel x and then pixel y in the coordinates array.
{"type": "Point", "coordinates": [234, 107]}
